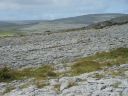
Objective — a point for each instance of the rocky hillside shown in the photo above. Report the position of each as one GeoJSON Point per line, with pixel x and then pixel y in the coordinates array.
{"type": "Point", "coordinates": [28, 26]}
{"type": "Point", "coordinates": [88, 19]}
{"type": "Point", "coordinates": [87, 61]}
{"type": "Point", "coordinates": [88, 84]}
{"type": "Point", "coordinates": [60, 47]}
{"type": "Point", "coordinates": [103, 74]}
{"type": "Point", "coordinates": [115, 21]}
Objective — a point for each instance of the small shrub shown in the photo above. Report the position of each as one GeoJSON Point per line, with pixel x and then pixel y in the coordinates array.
{"type": "Point", "coordinates": [51, 74]}
{"type": "Point", "coordinates": [7, 74]}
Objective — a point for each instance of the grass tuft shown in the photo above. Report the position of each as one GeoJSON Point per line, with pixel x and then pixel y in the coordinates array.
{"type": "Point", "coordinates": [85, 66]}
{"type": "Point", "coordinates": [7, 74]}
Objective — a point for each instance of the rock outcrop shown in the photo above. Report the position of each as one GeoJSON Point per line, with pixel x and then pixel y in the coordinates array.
{"type": "Point", "coordinates": [60, 47]}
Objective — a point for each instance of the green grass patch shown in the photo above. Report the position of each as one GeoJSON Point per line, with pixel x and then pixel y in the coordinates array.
{"type": "Point", "coordinates": [100, 60]}
{"type": "Point", "coordinates": [43, 72]}
{"type": "Point", "coordinates": [114, 57]}
{"type": "Point", "coordinates": [10, 34]}
{"type": "Point", "coordinates": [85, 66]}
{"type": "Point", "coordinates": [7, 34]}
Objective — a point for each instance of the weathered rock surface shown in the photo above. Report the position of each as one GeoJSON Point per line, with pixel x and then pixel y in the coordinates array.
{"type": "Point", "coordinates": [61, 47]}
{"type": "Point", "coordinates": [83, 85]}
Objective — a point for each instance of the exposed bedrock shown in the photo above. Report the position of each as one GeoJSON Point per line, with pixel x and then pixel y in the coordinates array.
{"type": "Point", "coordinates": [60, 47]}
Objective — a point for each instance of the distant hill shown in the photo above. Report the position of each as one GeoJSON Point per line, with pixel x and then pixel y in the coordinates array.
{"type": "Point", "coordinates": [84, 19]}
{"type": "Point", "coordinates": [114, 21]}
{"type": "Point", "coordinates": [88, 19]}
{"type": "Point", "coordinates": [4, 23]}
{"type": "Point", "coordinates": [53, 25]}
{"type": "Point", "coordinates": [16, 25]}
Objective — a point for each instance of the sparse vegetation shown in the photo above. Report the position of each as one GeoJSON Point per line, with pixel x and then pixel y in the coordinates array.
{"type": "Point", "coordinates": [7, 34]}
{"type": "Point", "coordinates": [114, 73]}
{"type": "Point", "coordinates": [40, 83]}
{"type": "Point", "coordinates": [85, 66]}
{"type": "Point", "coordinates": [57, 88]}
{"type": "Point", "coordinates": [43, 72]}
{"type": "Point", "coordinates": [99, 76]}
{"type": "Point", "coordinates": [100, 60]}
{"type": "Point", "coordinates": [114, 57]}
{"type": "Point", "coordinates": [7, 74]}
{"type": "Point", "coordinates": [9, 89]}
{"type": "Point", "coordinates": [115, 85]}
{"type": "Point", "coordinates": [71, 84]}
{"type": "Point", "coordinates": [10, 34]}
{"type": "Point", "coordinates": [88, 64]}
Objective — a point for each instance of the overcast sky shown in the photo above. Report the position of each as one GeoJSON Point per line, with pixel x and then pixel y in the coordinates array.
{"type": "Point", "coordinates": [52, 9]}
